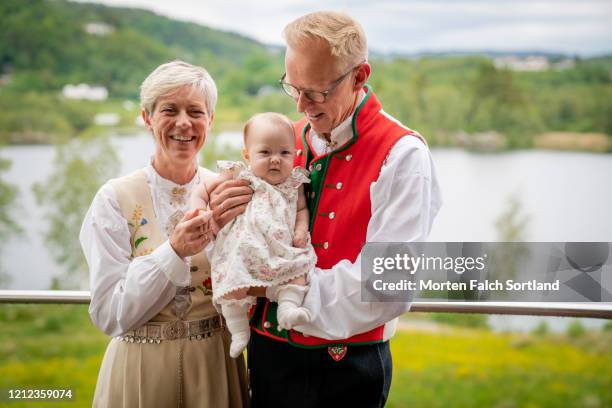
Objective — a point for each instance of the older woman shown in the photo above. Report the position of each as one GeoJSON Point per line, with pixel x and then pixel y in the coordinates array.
{"type": "Point", "coordinates": [149, 276]}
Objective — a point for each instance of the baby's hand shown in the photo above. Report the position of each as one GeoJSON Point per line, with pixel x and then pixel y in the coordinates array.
{"type": "Point", "coordinates": [199, 197]}
{"type": "Point", "coordinates": [300, 238]}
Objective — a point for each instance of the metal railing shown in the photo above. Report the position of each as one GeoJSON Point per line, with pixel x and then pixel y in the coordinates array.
{"type": "Point", "coordinates": [592, 309]}
{"type": "Point", "coordinates": [45, 296]}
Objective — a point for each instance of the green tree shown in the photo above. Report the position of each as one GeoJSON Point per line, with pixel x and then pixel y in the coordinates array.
{"type": "Point", "coordinates": [575, 329]}
{"type": "Point", "coordinates": [512, 223]}
{"type": "Point", "coordinates": [511, 226]}
{"type": "Point", "coordinates": [498, 103]}
{"type": "Point", "coordinates": [493, 84]}
{"type": "Point", "coordinates": [80, 168]}
{"type": "Point", "coordinates": [8, 226]}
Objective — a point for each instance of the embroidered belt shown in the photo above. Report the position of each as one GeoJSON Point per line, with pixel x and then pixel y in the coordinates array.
{"type": "Point", "coordinates": [155, 332]}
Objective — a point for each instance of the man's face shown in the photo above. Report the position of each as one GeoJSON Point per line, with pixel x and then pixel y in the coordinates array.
{"type": "Point", "coordinates": [311, 66]}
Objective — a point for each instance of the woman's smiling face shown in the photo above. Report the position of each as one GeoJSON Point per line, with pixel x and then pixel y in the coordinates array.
{"type": "Point", "coordinates": [180, 122]}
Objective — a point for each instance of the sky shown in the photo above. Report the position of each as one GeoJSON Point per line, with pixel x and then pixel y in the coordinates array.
{"type": "Point", "coordinates": [574, 27]}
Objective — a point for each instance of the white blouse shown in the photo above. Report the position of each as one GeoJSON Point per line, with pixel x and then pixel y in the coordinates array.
{"type": "Point", "coordinates": [127, 293]}
{"type": "Point", "coordinates": [405, 200]}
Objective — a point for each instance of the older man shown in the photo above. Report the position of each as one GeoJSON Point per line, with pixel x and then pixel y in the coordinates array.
{"type": "Point", "coordinates": [372, 179]}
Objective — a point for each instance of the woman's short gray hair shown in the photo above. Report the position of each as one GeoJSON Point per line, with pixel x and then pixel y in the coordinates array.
{"type": "Point", "coordinates": [346, 38]}
{"type": "Point", "coordinates": [175, 74]}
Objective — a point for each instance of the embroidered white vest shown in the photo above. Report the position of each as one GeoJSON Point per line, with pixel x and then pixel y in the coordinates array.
{"type": "Point", "coordinates": [134, 197]}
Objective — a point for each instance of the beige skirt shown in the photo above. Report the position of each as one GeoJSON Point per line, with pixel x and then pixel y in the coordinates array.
{"type": "Point", "coordinates": [175, 373]}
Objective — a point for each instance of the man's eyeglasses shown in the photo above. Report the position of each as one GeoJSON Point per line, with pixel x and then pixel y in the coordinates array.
{"type": "Point", "coordinates": [314, 96]}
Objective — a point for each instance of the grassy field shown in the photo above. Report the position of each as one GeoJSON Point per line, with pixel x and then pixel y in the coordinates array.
{"type": "Point", "coordinates": [57, 347]}
{"type": "Point", "coordinates": [479, 368]}
{"type": "Point", "coordinates": [49, 347]}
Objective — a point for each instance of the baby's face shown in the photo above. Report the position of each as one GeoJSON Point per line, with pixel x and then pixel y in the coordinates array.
{"type": "Point", "coordinates": [270, 149]}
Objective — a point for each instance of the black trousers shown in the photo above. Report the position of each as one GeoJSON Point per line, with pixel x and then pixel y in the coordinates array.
{"type": "Point", "coordinates": [282, 375]}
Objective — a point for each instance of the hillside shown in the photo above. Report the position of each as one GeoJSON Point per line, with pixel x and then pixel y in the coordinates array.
{"type": "Point", "coordinates": [467, 100]}
{"type": "Point", "coordinates": [46, 44]}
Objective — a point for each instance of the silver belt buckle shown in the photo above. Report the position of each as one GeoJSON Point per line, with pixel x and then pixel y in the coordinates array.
{"type": "Point", "coordinates": [175, 330]}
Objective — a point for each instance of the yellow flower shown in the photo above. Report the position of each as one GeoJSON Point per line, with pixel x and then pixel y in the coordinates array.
{"type": "Point", "coordinates": [137, 213]}
{"type": "Point", "coordinates": [144, 252]}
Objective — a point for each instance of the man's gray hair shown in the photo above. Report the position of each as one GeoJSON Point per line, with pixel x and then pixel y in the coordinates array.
{"type": "Point", "coordinates": [173, 75]}
{"type": "Point", "coordinates": [346, 38]}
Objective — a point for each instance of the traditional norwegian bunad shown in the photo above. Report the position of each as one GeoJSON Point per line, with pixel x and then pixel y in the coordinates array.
{"type": "Point", "coordinates": [179, 357]}
{"type": "Point", "coordinates": [338, 198]}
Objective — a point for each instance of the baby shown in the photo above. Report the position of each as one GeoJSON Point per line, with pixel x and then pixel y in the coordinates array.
{"type": "Point", "coordinates": [268, 245]}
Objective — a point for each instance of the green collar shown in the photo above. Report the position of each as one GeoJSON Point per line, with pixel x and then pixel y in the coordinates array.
{"type": "Point", "coordinates": [368, 90]}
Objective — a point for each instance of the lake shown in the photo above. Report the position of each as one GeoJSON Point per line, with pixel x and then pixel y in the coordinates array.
{"type": "Point", "coordinates": [566, 196]}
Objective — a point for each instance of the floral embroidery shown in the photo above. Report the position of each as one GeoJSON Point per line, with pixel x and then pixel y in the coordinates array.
{"type": "Point", "coordinates": [178, 196]}
{"type": "Point", "coordinates": [337, 353]}
{"type": "Point", "coordinates": [206, 286]}
{"type": "Point", "coordinates": [135, 223]}
{"type": "Point", "coordinates": [264, 272]}
{"type": "Point", "coordinates": [278, 235]}
{"type": "Point", "coordinates": [143, 252]}
{"type": "Point", "coordinates": [173, 220]}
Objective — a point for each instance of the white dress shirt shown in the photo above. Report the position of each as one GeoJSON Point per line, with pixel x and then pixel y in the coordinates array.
{"type": "Point", "coordinates": [126, 293]}
{"type": "Point", "coordinates": [405, 200]}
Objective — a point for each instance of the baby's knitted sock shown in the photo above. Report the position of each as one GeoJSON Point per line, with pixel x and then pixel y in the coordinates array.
{"type": "Point", "coordinates": [238, 325]}
{"type": "Point", "coordinates": [290, 312]}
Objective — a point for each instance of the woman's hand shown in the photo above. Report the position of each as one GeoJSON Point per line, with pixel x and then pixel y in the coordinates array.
{"type": "Point", "coordinates": [192, 233]}
{"type": "Point", "coordinates": [228, 199]}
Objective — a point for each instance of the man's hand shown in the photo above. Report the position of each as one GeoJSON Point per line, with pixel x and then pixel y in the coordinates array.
{"type": "Point", "coordinates": [228, 199]}
{"type": "Point", "coordinates": [192, 233]}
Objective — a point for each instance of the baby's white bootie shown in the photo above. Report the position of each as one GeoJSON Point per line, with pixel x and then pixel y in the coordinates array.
{"type": "Point", "coordinates": [238, 325]}
{"type": "Point", "coordinates": [239, 343]}
{"type": "Point", "coordinates": [290, 313]}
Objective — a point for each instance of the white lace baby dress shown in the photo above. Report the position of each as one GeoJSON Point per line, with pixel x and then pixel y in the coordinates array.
{"type": "Point", "coordinates": [256, 248]}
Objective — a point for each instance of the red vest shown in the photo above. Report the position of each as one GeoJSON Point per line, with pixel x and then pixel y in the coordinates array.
{"type": "Point", "coordinates": [338, 199]}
